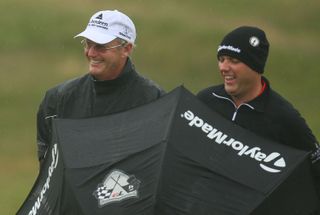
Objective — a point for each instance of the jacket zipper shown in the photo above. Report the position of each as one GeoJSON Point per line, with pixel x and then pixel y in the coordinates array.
{"type": "Point", "coordinates": [234, 105]}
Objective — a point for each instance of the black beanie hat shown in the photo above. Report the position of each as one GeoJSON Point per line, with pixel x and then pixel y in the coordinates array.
{"type": "Point", "coordinates": [247, 44]}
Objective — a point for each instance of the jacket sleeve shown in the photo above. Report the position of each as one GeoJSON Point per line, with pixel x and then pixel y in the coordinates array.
{"type": "Point", "coordinates": [297, 133]}
{"type": "Point", "coordinates": [315, 160]}
{"type": "Point", "coordinates": [46, 112]}
{"type": "Point", "coordinates": [305, 136]}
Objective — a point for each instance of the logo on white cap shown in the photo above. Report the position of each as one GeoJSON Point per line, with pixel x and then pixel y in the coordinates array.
{"type": "Point", "coordinates": [99, 17]}
{"type": "Point", "coordinates": [105, 26]}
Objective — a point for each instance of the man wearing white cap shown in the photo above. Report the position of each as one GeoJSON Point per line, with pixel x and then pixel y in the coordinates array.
{"type": "Point", "coordinates": [111, 85]}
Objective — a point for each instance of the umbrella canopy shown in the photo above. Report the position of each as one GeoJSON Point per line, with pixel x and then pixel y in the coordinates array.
{"type": "Point", "coordinates": [172, 156]}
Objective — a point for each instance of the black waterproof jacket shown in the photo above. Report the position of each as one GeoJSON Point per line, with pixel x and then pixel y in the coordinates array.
{"type": "Point", "coordinates": [270, 116]}
{"type": "Point", "coordinates": [85, 97]}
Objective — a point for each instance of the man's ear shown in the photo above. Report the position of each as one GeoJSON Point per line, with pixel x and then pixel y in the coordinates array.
{"type": "Point", "coordinates": [128, 48]}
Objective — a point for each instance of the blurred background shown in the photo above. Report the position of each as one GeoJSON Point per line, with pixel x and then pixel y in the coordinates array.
{"type": "Point", "coordinates": [176, 44]}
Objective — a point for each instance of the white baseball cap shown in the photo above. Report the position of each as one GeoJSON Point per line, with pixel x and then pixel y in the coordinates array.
{"type": "Point", "coordinates": [105, 26]}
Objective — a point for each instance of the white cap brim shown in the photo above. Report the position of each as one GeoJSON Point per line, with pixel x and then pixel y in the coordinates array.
{"type": "Point", "coordinates": [96, 36]}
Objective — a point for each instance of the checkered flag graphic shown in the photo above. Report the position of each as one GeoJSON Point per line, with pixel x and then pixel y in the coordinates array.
{"type": "Point", "coordinates": [102, 193]}
{"type": "Point", "coordinates": [116, 187]}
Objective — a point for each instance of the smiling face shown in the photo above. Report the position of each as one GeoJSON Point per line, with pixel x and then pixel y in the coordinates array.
{"type": "Point", "coordinates": [107, 61]}
{"type": "Point", "coordinates": [241, 82]}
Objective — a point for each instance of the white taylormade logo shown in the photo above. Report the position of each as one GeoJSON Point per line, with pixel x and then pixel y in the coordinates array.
{"type": "Point", "coordinates": [46, 186]}
{"type": "Point", "coordinates": [272, 163]}
{"type": "Point", "coordinates": [231, 48]}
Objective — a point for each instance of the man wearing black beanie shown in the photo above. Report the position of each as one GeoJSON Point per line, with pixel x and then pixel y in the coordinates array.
{"type": "Point", "coordinates": [247, 99]}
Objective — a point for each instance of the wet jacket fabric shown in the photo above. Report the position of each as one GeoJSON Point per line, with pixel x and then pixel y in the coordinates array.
{"type": "Point", "coordinates": [85, 97]}
{"type": "Point", "coordinates": [269, 115]}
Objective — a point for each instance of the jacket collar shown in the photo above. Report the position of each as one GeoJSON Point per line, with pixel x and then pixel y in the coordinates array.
{"type": "Point", "coordinates": [128, 73]}
{"type": "Point", "coordinates": [258, 103]}
{"type": "Point", "coordinates": [124, 73]}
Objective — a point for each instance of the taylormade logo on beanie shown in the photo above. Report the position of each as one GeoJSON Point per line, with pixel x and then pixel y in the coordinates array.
{"type": "Point", "coordinates": [247, 44]}
{"type": "Point", "coordinates": [105, 26]}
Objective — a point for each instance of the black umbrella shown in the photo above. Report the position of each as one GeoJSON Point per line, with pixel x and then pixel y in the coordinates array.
{"type": "Point", "coordinates": [172, 156]}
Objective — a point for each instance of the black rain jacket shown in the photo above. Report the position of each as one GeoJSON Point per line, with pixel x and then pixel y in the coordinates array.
{"type": "Point", "coordinates": [85, 97]}
{"type": "Point", "coordinates": [270, 116]}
